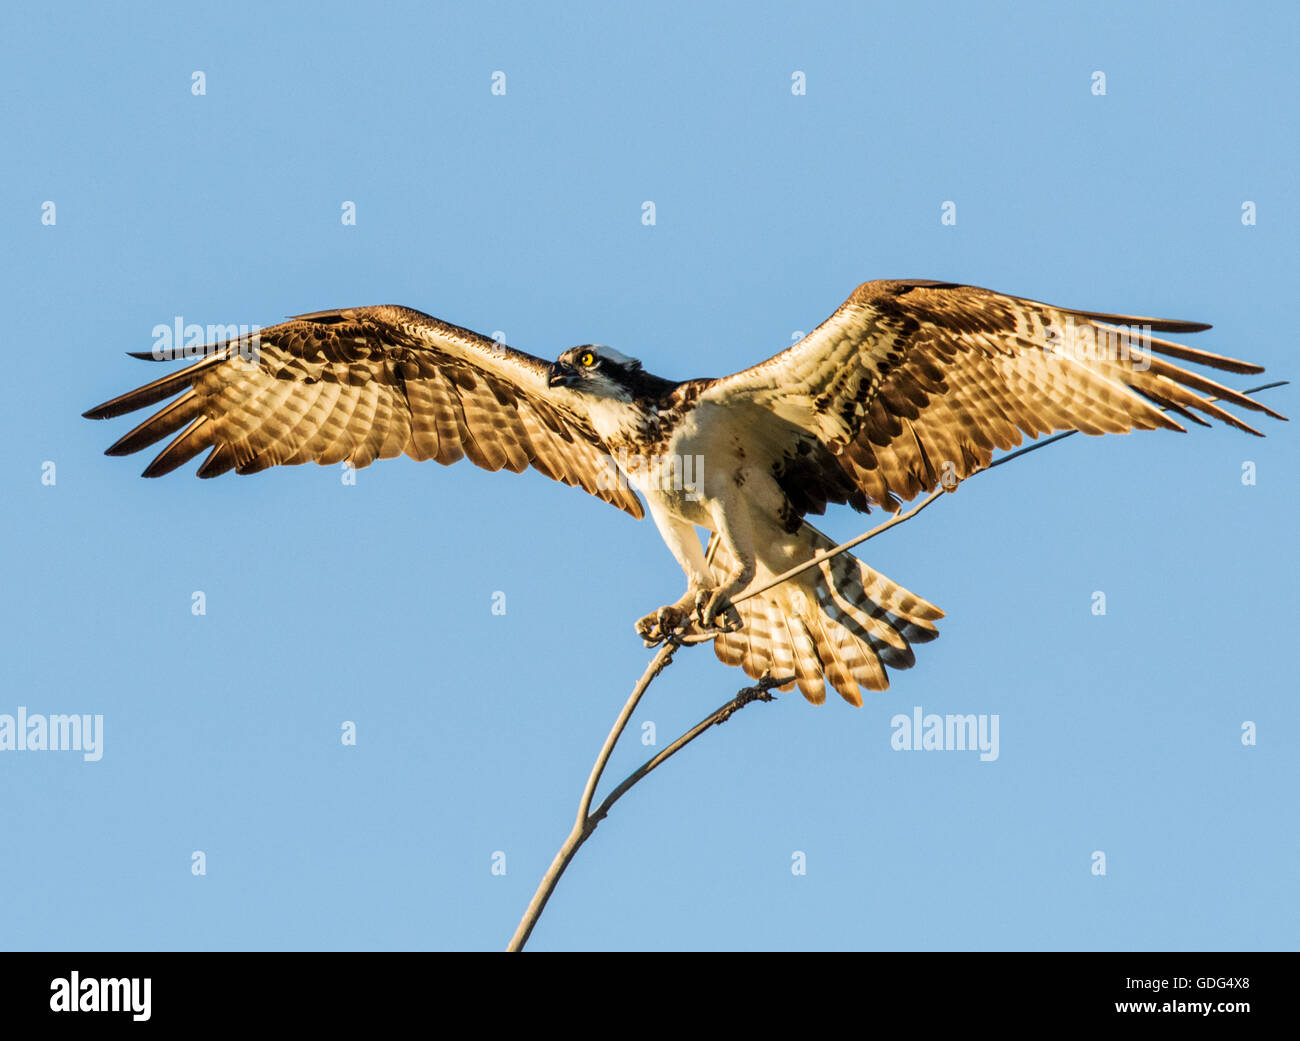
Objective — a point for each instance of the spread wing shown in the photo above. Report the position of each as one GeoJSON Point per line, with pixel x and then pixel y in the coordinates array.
{"type": "Point", "coordinates": [910, 381]}
{"type": "Point", "coordinates": [362, 384]}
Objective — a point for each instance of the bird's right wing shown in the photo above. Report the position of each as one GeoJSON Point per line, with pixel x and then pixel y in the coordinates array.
{"type": "Point", "coordinates": [362, 384]}
{"type": "Point", "coordinates": [913, 380]}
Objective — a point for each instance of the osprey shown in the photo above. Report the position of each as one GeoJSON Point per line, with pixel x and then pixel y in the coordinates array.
{"type": "Point", "coordinates": [909, 386]}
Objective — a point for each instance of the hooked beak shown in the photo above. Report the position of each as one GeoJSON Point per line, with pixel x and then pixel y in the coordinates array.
{"type": "Point", "coordinates": [560, 375]}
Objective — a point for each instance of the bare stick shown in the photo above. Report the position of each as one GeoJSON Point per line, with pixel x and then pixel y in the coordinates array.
{"type": "Point", "coordinates": [762, 691]}
{"type": "Point", "coordinates": [586, 823]}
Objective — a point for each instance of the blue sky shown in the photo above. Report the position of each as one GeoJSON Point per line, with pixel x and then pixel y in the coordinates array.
{"type": "Point", "coordinates": [522, 214]}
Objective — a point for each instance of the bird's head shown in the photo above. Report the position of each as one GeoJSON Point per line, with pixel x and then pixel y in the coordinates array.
{"type": "Point", "coordinates": [596, 370]}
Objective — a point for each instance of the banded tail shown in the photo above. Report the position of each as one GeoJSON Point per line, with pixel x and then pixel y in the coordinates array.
{"type": "Point", "coordinates": [841, 622]}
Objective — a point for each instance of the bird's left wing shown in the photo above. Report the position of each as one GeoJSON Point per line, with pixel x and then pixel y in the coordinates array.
{"type": "Point", "coordinates": [910, 382]}
{"type": "Point", "coordinates": [362, 384]}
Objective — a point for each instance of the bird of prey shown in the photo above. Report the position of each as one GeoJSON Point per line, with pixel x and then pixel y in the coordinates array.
{"type": "Point", "coordinates": [910, 385]}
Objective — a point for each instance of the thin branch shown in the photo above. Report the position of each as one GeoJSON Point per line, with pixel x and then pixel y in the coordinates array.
{"type": "Point", "coordinates": [584, 825]}
{"type": "Point", "coordinates": [657, 665]}
{"type": "Point", "coordinates": [761, 691]}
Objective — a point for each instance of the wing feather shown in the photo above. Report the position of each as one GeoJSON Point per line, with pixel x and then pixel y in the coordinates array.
{"type": "Point", "coordinates": [362, 384]}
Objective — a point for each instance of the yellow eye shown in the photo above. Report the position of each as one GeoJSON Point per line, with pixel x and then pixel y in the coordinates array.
{"type": "Point", "coordinates": [587, 360]}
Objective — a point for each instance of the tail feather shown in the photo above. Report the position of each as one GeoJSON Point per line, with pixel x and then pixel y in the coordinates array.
{"type": "Point", "coordinates": [808, 667]}
{"type": "Point", "coordinates": [838, 670]}
{"type": "Point", "coordinates": [841, 623]}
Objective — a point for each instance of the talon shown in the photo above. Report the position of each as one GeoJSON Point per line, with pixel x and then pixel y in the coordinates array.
{"type": "Point", "coordinates": [701, 605]}
{"type": "Point", "coordinates": [730, 621]}
{"type": "Point", "coordinates": [720, 614]}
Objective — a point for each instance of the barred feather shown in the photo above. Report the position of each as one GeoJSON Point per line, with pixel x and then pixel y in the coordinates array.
{"type": "Point", "coordinates": [840, 623]}
{"type": "Point", "coordinates": [363, 384]}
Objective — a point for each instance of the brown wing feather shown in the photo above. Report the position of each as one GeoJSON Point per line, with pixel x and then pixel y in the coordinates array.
{"type": "Point", "coordinates": [912, 381]}
{"type": "Point", "coordinates": [363, 384]}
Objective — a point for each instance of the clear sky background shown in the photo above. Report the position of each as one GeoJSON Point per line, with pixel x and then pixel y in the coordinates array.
{"type": "Point", "coordinates": [522, 214]}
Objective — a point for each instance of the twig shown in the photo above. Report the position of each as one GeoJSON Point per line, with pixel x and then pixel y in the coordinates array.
{"type": "Point", "coordinates": [587, 820]}
{"type": "Point", "coordinates": [761, 691]}
{"type": "Point", "coordinates": [586, 823]}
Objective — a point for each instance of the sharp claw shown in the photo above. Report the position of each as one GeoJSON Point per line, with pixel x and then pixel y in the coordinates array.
{"type": "Point", "coordinates": [711, 611]}
{"type": "Point", "coordinates": [721, 614]}
{"type": "Point", "coordinates": [701, 606]}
